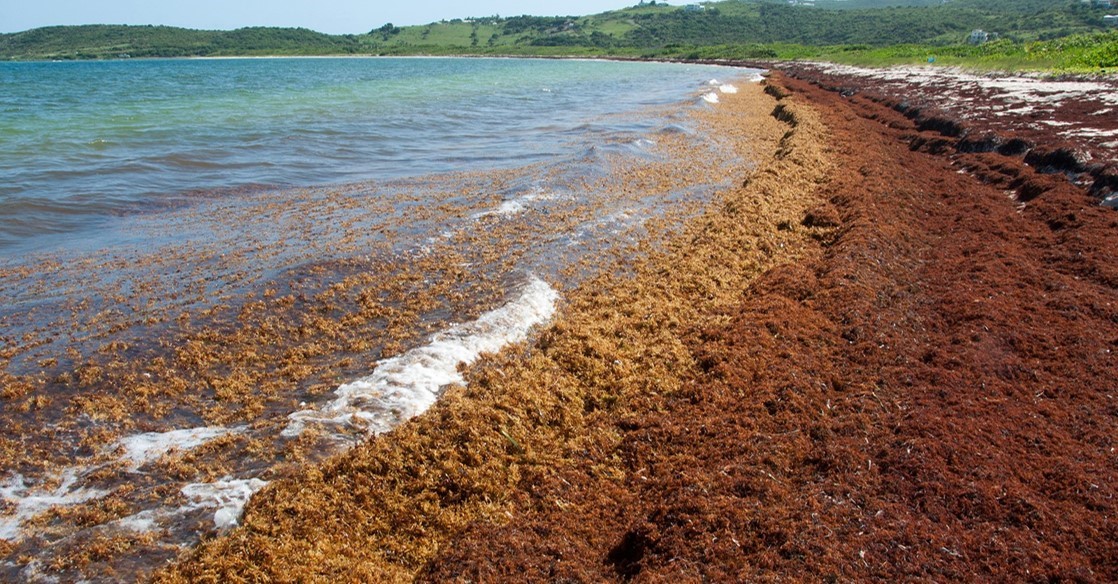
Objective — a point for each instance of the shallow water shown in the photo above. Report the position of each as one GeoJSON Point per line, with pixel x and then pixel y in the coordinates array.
{"type": "Point", "coordinates": [82, 142]}
{"type": "Point", "coordinates": [195, 334]}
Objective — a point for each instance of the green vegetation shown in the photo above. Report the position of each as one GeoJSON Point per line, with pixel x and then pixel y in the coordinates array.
{"type": "Point", "coordinates": [1085, 53]}
{"type": "Point", "coordinates": [113, 41]}
{"type": "Point", "coordinates": [1064, 34]}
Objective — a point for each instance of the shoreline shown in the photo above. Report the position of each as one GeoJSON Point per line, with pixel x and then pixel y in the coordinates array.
{"type": "Point", "coordinates": [840, 372]}
{"type": "Point", "coordinates": [761, 63]}
{"type": "Point", "coordinates": [145, 409]}
{"type": "Point", "coordinates": [506, 424]}
{"type": "Point", "coordinates": [835, 371]}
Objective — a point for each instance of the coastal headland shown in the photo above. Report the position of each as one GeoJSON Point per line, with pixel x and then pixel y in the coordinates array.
{"type": "Point", "coordinates": [888, 354]}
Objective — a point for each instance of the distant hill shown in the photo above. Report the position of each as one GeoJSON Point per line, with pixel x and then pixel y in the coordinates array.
{"type": "Point", "coordinates": [657, 25]}
{"type": "Point", "coordinates": [631, 31]}
{"type": "Point", "coordinates": [859, 4]}
{"type": "Point", "coordinates": [115, 41]}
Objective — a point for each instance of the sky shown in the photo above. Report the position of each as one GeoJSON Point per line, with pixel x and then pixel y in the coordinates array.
{"type": "Point", "coordinates": [329, 16]}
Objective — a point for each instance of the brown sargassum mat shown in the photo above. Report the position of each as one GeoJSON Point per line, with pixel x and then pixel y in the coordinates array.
{"type": "Point", "coordinates": [866, 363]}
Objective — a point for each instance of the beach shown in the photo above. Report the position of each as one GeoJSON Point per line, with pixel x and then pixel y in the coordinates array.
{"type": "Point", "coordinates": [882, 349]}
{"type": "Point", "coordinates": [871, 361]}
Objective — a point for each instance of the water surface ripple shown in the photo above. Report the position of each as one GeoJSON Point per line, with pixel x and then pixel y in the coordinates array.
{"type": "Point", "coordinates": [81, 142]}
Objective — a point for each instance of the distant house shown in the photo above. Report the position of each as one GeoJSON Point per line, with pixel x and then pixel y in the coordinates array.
{"type": "Point", "coordinates": [978, 36]}
{"type": "Point", "coordinates": [1110, 20]}
{"type": "Point", "coordinates": [1103, 4]}
{"type": "Point", "coordinates": [693, 8]}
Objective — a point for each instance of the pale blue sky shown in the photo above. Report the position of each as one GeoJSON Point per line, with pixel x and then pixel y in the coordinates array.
{"type": "Point", "coordinates": [331, 16]}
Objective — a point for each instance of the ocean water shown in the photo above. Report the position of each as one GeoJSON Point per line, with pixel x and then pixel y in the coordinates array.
{"type": "Point", "coordinates": [83, 142]}
{"type": "Point", "coordinates": [215, 271]}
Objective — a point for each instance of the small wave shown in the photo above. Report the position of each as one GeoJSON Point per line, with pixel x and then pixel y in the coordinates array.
{"type": "Point", "coordinates": [710, 97]}
{"type": "Point", "coordinates": [516, 205]}
{"type": "Point", "coordinates": [227, 497]}
{"type": "Point", "coordinates": [27, 500]}
{"type": "Point", "coordinates": [507, 208]}
{"type": "Point", "coordinates": [141, 522]}
{"type": "Point", "coordinates": [676, 129]}
{"type": "Point", "coordinates": [406, 385]}
{"type": "Point", "coordinates": [510, 207]}
{"type": "Point", "coordinates": [599, 154]}
{"type": "Point", "coordinates": [20, 208]}
{"type": "Point", "coordinates": [195, 161]}
{"type": "Point", "coordinates": [141, 449]}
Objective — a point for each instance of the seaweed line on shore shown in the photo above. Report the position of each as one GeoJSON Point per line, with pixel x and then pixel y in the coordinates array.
{"type": "Point", "coordinates": [385, 510]}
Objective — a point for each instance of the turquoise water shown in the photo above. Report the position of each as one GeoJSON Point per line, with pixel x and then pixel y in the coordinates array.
{"type": "Point", "coordinates": [83, 143]}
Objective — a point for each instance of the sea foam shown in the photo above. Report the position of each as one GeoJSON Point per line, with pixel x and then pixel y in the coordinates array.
{"type": "Point", "coordinates": [141, 449]}
{"type": "Point", "coordinates": [27, 500]}
{"type": "Point", "coordinates": [227, 497]}
{"type": "Point", "coordinates": [516, 205]}
{"type": "Point", "coordinates": [406, 385]}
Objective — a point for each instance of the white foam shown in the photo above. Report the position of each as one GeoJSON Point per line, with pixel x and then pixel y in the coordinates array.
{"type": "Point", "coordinates": [28, 501]}
{"type": "Point", "coordinates": [1090, 133]}
{"type": "Point", "coordinates": [711, 97]}
{"type": "Point", "coordinates": [727, 88]}
{"type": "Point", "coordinates": [141, 449]}
{"type": "Point", "coordinates": [1018, 111]}
{"type": "Point", "coordinates": [142, 522]}
{"type": "Point", "coordinates": [406, 385]}
{"type": "Point", "coordinates": [511, 207]}
{"type": "Point", "coordinates": [227, 497]}
{"type": "Point", "coordinates": [516, 205]}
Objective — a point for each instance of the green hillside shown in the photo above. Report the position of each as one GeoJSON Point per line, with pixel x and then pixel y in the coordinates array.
{"type": "Point", "coordinates": [115, 41]}
{"type": "Point", "coordinates": [658, 25]}
{"type": "Point", "coordinates": [731, 28]}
